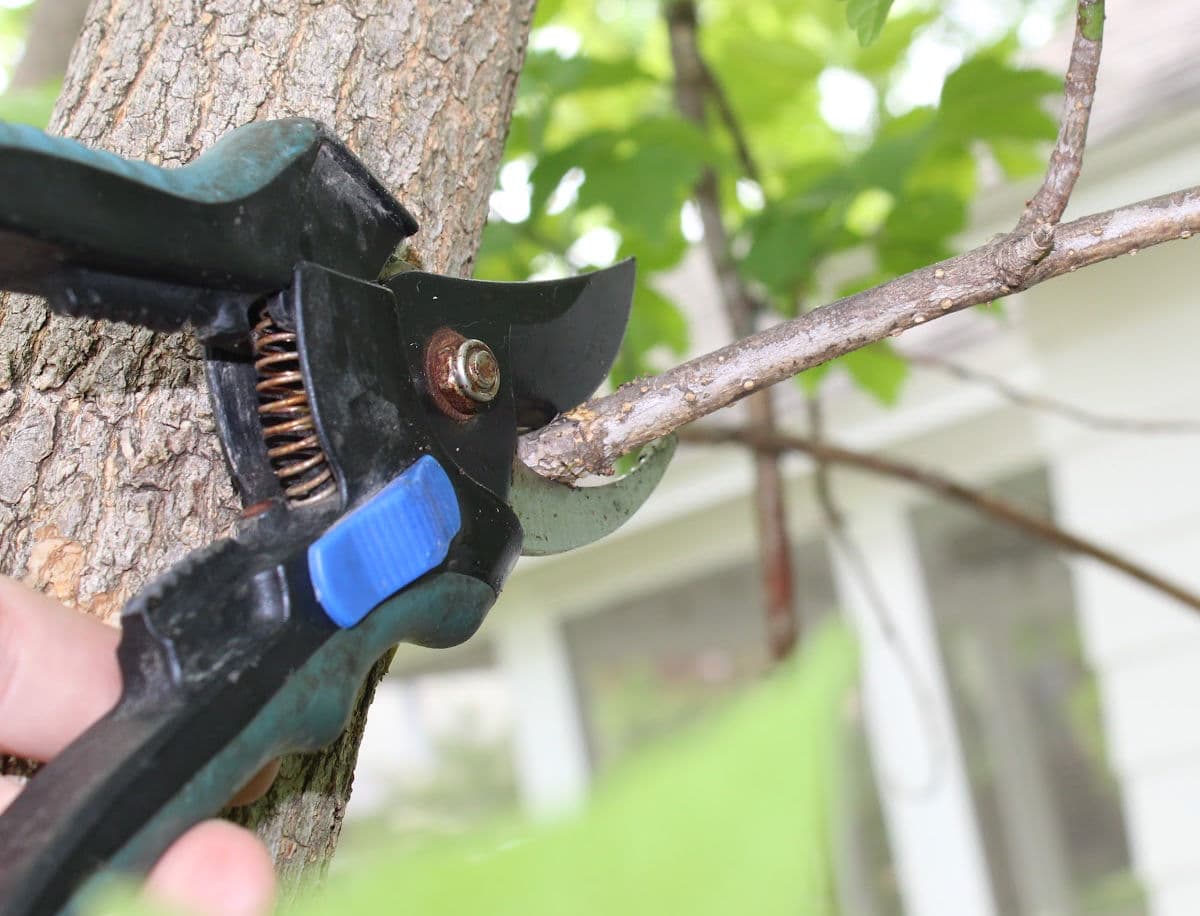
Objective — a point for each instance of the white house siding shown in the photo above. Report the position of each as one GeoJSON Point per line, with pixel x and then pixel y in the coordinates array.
{"type": "Point", "coordinates": [1123, 337]}
{"type": "Point", "coordinates": [915, 748]}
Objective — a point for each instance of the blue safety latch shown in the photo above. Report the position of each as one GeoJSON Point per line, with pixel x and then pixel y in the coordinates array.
{"type": "Point", "coordinates": [394, 538]}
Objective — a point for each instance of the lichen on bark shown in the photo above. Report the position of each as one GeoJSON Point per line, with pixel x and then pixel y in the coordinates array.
{"type": "Point", "coordinates": [109, 467]}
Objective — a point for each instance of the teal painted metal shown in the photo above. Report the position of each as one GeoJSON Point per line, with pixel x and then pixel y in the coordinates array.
{"type": "Point", "coordinates": [237, 165]}
{"type": "Point", "coordinates": [556, 517]}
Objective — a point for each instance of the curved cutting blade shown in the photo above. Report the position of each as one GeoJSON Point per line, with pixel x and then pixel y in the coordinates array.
{"type": "Point", "coordinates": [564, 335]}
{"type": "Point", "coordinates": [566, 339]}
{"type": "Point", "coordinates": [558, 517]}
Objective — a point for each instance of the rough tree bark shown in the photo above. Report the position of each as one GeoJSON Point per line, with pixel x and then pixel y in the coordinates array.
{"type": "Point", "coordinates": [109, 468]}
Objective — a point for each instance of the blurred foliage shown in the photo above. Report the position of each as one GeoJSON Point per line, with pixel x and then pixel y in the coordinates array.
{"type": "Point", "coordinates": [29, 106]}
{"type": "Point", "coordinates": [599, 164]}
{"type": "Point", "coordinates": [474, 782]}
{"type": "Point", "coordinates": [731, 816]}
{"type": "Point", "coordinates": [742, 799]}
{"type": "Point", "coordinates": [25, 106]}
{"type": "Point", "coordinates": [636, 703]}
{"type": "Point", "coordinates": [867, 18]}
{"type": "Point", "coordinates": [14, 23]}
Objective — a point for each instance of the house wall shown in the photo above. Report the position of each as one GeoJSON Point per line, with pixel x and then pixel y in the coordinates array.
{"type": "Point", "coordinates": [1139, 494]}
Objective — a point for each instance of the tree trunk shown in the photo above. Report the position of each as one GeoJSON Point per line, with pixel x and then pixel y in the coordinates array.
{"type": "Point", "coordinates": [109, 468]}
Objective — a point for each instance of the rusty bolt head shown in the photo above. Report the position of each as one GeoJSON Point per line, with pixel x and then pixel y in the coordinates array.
{"type": "Point", "coordinates": [463, 375]}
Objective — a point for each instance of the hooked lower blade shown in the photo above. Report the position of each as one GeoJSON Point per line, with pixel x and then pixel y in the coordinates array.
{"type": "Point", "coordinates": [557, 517]}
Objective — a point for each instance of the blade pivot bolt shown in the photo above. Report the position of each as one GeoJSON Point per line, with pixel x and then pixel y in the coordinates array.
{"type": "Point", "coordinates": [463, 374]}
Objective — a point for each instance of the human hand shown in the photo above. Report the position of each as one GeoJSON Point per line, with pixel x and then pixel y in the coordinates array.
{"type": "Point", "coordinates": [58, 675]}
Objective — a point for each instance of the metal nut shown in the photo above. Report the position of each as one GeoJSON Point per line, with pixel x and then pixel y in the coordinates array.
{"type": "Point", "coordinates": [476, 371]}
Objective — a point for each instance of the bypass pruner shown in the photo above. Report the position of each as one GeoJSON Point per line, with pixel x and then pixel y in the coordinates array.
{"type": "Point", "coordinates": [369, 426]}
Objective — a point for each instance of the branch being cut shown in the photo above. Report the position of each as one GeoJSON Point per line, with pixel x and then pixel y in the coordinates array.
{"type": "Point", "coordinates": [998, 509]}
{"type": "Point", "coordinates": [1066, 161]}
{"type": "Point", "coordinates": [591, 437]}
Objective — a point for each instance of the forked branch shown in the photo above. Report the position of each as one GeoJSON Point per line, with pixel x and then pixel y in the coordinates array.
{"type": "Point", "coordinates": [590, 438]}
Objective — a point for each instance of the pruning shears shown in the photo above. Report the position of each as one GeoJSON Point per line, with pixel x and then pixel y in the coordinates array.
{"type": "Point", "coordinates": [369, 422]}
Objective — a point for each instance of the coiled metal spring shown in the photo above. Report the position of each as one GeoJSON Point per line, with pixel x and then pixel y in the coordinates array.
{"type": "Point", "coordinates": [292, 444]}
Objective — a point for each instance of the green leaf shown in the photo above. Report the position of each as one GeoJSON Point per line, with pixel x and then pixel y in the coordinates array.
{"type": "Point", "coordinates": [896, 151]}
{"type": "Point", "coordinates": [919, 229]}
{"type": "Point", "coordinates": [880, 58]}
{"type": "Point", "coordinates": [650, 171]}
{"type": "Point", "coordinates": [782, 254]}
{"type": "Point", "coordinates": [654, 322]}
{"type": "Point", "coordinates": [549, 72]}
{"type": "Point", "coordinates": [947, 167]}
{"type": "Point", "coordinates": [789, 238]}
{"type": "Point", "coordinates": [1018, 158]}
{"type": "Point", "coordinates": [743, 798]}
{"type": "Point", "coordinates": [642, 175]}
{"type": "Point", "coordinates": [810, 379]}
{"type": "Point", "coordinates": [29, 106]}
{"type": "Point", "coordinates": [868, 211]}
{"type": "Point", "coordinates": [546, 10]}
{"type": "Point", "coordinates": [506, 252]}
{"type": "Point", "coordinates": [987, 99]}
{"type": "Point", "coordinates": [14, 20]}
{"type": "Point", "coordinates": [761, 74]}
{"type": "Point", "coordinates": [660, 251]}
{"type": "Point", "coordinates": [867, 17]}
{"type": "Point", "coordinates": [879, 370]}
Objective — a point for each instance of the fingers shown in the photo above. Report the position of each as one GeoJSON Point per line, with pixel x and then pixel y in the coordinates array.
{"type": "Point", "coordinates": [215, 869]}
{"type": "Point", "coordinates": [58, 675]}
{"type": "Point", "coordinates": [58, 672]}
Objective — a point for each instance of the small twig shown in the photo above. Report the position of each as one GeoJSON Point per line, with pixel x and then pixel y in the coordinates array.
{"type": "Point", "coordinates": [1049, 405]}
{"type": "Point", "coordinates": [693, 82]}
{"type": "Point", "coordinates": [998, 509]}
{"type": "Point", "coordinates": [859, 566]}
{"type": "Point", "coordinates": [856, 561]}
{"type": "Point", "coordinates": [822, 485]}
{"type": "Point", "coordinates": [716, 92]}
{"type": "Point", "coordinates": [1048, 204]}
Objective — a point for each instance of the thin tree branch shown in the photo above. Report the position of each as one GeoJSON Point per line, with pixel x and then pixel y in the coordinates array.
{"type": "Point", "coordinates": [991, 506]}
{"type": "Point", "coordinates": [857, 563]}
{"type": "Point", "coordinates": [693, 83]}
{"type": "Point", "coordinates": [1071, 412]}
{"type": "Point", "coordinates": [591, 437]}
{"type": "Point", "coordinates": [690, 89]}
{"type": "Point", "coordinates": [1066, 161]}
{"type": "Point", "coordinates": [822, 485]}
{"type": "Point", "coordinates": [741, 146]}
